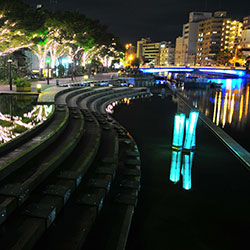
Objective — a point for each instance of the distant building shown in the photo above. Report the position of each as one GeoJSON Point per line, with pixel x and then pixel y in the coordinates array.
{"type": "Point", "coordinates": [209, 39]}
{"type": "Point", "coordinates": [148, 51]}
{"type": "Point", "coordinates": [180, 52]}
{"type": "Point", "coordinates": [189, 39]}
{"type": "Point", "coordinates": [246, 23]}
{"type": "Point", "coordinates": [139, 49]}
{"type": "Point", "coordinates": [245, 37]}
{"type": "Point", "coordinates": [166, 55]}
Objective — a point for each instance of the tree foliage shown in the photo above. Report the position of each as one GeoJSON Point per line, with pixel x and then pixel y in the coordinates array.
{"type": "Point", "coordinates": [223, 57]}
{"type": "Point", "coordinates": [55, 35]}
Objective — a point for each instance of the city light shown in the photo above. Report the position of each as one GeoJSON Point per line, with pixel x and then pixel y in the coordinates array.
{"type": "Point", "coordinates": [39, 87]}
{"type": "Point", "coordinates": [239, 73]}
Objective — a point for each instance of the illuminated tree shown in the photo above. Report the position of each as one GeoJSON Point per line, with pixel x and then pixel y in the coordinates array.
{"type": "Point", "coordinates": [17, 26]}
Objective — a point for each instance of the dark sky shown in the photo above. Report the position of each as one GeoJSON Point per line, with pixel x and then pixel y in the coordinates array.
{"type": "Point", "coordinates": [161, 20]}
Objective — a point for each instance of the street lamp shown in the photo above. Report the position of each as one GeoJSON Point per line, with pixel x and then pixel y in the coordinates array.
{"type": "Point", "coordinates": [10, 73]}
{"type": "Point", "coordinates": [130, 58]}
{"type": "Point", "coordinates": [89, 67]}
{"type": "Point", "coordinates": [47, 62]}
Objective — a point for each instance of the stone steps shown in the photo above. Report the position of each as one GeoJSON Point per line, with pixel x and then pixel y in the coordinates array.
{"type": "Point", "coordinates": [80, 172]}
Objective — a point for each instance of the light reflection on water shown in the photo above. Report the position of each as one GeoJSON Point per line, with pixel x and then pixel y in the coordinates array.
{"type": "Point", "coordinates": [227, 107]}
{"type": "Point", "coordinates": [19, 114]}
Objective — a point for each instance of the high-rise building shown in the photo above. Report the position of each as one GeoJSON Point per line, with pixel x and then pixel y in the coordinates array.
{"type": "Point", "coordinates": [209, 39]}
{"type": "Point", "coordinates": [189, 38]}
{"type": "Point", "coordinates": [231, 34]}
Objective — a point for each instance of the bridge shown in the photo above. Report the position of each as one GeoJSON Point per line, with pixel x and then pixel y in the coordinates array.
{"type": "Point", "coordinates": [238, 72]}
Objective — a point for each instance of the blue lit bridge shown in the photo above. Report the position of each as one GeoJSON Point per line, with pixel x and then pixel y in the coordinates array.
{"type": "Point", "coordinates": [238, 72]}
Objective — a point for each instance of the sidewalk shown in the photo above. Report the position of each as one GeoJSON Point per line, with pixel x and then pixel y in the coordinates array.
{"type": "Point", "coordinates": [52, 82]}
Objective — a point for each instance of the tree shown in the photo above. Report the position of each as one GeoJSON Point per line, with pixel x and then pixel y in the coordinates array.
{"type": "Point", "coordinates": [223, 58]}
{"type": "Point", "coordinates": [18, 24]}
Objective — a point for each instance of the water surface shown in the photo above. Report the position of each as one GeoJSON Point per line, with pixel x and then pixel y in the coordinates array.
{"type": "Point", "coordinates": [19, 113]}
{"type": "Point", "coordinates": [213, 213]}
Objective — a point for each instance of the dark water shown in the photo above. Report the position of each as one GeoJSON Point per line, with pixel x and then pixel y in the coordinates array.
{"type": "Point", "coordinates": [213, 214]}
{"type": "Point", "coordinates": [19, 113]}
{"type": "Point", "coordinates": [228, 107]}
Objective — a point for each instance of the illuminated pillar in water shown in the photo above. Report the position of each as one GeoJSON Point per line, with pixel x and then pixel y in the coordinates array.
{"type": "Point", "coordinates": [179, 125]}
{"type": "Point", "coordinates": [175, 166]}
{"type": "Point", "coordinates": [189, 141]}
{"type": "Point", "coordinates": [186, 170]}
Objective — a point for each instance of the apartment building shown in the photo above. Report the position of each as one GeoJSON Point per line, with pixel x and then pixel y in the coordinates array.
{"type": "Point", "coordinates": [231, 34]}
{"type": "Point", "coordinates": [148, 51]}
{"type": "Point", "coordinates": [166, 55]}
{"type": "Point", "coordinates": [188, 45]}
{"type": "Point", "coordinates": [209, 39]}
{"type": "Point", "coordinates": [180, 52]}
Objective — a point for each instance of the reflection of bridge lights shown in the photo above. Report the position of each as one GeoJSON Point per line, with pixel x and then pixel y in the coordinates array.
{"type": "Point", "coordinates": [247, 101]}
{"type": "Point", "coordinates": [215, 106]}
{"type": "Point", "coordinates": [231, 110]}
{"type": "Point", "coordinates": [218, 110]}
{"type": "Point", "coordinates": [225, 111]}
{"type": "Point", "coordinates": [241, 107]}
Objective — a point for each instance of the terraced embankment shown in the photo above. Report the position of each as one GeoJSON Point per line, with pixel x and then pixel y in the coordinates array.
{"type": "Point", "coordinates": [80, 161]}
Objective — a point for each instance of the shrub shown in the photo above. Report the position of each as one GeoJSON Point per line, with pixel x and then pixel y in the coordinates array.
{"type": "Point", "coordinates": [22, 82]}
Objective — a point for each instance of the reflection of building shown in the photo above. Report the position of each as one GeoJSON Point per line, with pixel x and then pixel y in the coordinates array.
{"type": "Point", "coordinates": [231, 107]}
{"type": "Point", "coordinates": [209, 39]}
{"type": "Point", "coordinates": [226, 107]}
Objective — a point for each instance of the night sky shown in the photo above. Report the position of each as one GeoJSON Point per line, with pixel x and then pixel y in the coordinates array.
{"type": "Point", "coordinates": [161, 20]}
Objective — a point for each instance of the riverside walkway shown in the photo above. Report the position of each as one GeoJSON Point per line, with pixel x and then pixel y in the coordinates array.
{"type": "Point", "coordinates": [43, 170]}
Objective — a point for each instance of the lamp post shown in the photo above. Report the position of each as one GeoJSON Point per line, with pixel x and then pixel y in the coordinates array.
{"type": "Point", "coordinates": [89, 68]}
{"type": "Point", "coordinates": [130, 59]}
{"type": "Point", "coordinates": [10, 73]}
{"type": "Point", "coordinates": [47, 62]}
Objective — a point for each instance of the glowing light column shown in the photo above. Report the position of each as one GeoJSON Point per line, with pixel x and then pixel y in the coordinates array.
{"type": "Point", "coordinates": [186, 171]}
{"type": "Point", "coordinates": [175, 166]}
{"type": "Point", "coordinates": [190, 130]}
{"type": "Point", "coordinates": [179, 125]}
